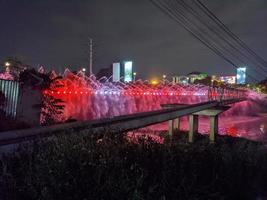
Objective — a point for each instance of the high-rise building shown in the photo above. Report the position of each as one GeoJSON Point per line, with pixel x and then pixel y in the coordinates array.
{"type": "Point", "coordinates": [116, 72]}
{"type": "Point", "coordinates": [128, 71]}
{"type": "Point", "coordinates": [228, 79]}
{"type": "Point", "coordinates": [241, 75]}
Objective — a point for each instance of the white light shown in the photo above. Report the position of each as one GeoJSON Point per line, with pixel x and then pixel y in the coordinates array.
{"type": "Point", "coordinates": [7, 64]}
{"type": "Point", "coordinates": [83, 69]}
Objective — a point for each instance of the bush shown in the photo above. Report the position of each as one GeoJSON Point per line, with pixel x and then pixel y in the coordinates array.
{"type": "Point", "coordinates": [87, 167]}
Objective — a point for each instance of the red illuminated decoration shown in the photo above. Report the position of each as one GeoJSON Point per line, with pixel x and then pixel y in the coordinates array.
{"type": "Point", "coordinates": [86, 98]}
{"type": "Point", "coordinates": [232, 131]}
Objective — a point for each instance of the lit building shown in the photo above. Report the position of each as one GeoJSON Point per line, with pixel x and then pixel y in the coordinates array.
{"type": "Point", "coordinates": [190, 78]}
{"type": "Point", "coordinates": [116, 72]}
{"type": "Point", "coordinates": [193, 76]}
{"type": "Point", "coordinates": [180, 79]}
{"type": "Point", "coordinates": [128, 71]}
{"type": "Point", "coordinates": [228, 79]}
{"type": "Point", "coordinates": [241, 75]}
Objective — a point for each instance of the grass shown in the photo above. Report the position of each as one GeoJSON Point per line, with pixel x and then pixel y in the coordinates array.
{"type": "Point", "coordinates": [87, 167]}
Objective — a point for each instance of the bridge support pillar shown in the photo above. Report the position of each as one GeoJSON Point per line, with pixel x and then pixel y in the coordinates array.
{"type": "Point", "coordinates": [177, 123]}
{"type": "Point", "coordinates": [171, 127]}
{"type": "Point", "coordinates": [213, 128]}
{"type": "Point", "coordinates": [193, 127]}
{"type": "Point", "coordinates": [213, 114]}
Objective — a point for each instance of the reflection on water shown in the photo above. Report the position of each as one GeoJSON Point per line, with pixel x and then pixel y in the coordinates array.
{"type": "Point", "coordinates": [250, 127]}
{"type": "Point", "coordinates": [246, 119]}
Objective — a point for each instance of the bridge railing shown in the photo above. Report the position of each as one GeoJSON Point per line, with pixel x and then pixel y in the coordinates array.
{"type": "Point", "coordinates": [223, 93]}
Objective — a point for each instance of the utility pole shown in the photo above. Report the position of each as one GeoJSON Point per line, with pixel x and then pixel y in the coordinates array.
{"type": "Point", "coordinates": [91, 56]}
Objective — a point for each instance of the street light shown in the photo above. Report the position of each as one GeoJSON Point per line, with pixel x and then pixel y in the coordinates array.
{"type": "Point", "coordinates": [164, 77]}
{"type": "Point", "coordinates": [83, 69]}
{"type": "Point", "coordinates": [134, 75]}
{"type": "Point", "coordinates": [154, 82]}
{"type": "Point", "coordinates": [7, 64]}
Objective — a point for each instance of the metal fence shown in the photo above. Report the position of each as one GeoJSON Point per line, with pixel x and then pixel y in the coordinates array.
{"type": "Point", "coordinates": [10, 91]}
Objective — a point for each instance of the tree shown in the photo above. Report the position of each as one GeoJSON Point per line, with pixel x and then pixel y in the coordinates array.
{"type": "Point", "coordinates": [15, 65]}
{"type": "Point", "coordinates": [51, 107]}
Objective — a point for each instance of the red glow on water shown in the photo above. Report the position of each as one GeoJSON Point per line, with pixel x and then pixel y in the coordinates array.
{"type": "Point", "coordinates": [232, 131]}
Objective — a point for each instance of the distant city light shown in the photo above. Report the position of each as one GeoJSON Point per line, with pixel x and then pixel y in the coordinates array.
{"type": "Point", "coordinates": [7, 64]}
{"type": "Point", "coordinates": [154, 82]}
{"type": "Point", "coordinates": [83, 69]}
{"type": "Point", "coordinates": [228, 79]}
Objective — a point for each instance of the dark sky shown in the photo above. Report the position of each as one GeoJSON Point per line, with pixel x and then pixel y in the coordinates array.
{"type": "Point", "coordinates": [55, 33]}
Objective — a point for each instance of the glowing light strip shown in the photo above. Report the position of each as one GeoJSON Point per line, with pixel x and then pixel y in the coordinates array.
{"type": "Point", "coordinates": [127, 93]}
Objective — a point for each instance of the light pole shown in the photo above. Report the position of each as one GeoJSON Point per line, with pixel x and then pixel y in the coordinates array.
{"type": "Point", "coordinates": [7, 64]}
{"type": "Point", "coordinates": [212, 80]}
{"type": "Point", "coordinates": [91, 56]}
{"type": "Point", "coordinates": [163, 78]}
{"type": "Point", "coordinates": [134, 75]}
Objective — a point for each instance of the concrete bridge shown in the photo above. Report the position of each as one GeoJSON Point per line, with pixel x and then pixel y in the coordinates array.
{"type": "Point", "coordinates": [170, 112]}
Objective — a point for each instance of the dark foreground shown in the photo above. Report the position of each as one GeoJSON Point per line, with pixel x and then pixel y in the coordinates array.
{"type": "Point", "coordinates": [72, 167]}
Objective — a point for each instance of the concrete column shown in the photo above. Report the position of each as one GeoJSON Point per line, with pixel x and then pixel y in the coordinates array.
{"type": "Point", "coordinates": [29, 105]}
{"type": "Point", "coordinates": [193, 127]}
{"type": "Point", "coordinates": [177, 123]}
{"type": "Point", "coordinates": [213, 128]}
{"type": "Point", "coordinates": [171, 127]}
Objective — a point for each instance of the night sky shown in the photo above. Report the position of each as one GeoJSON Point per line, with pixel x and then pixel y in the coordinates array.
{"type": "Point", "coordinates": [55, 33]}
